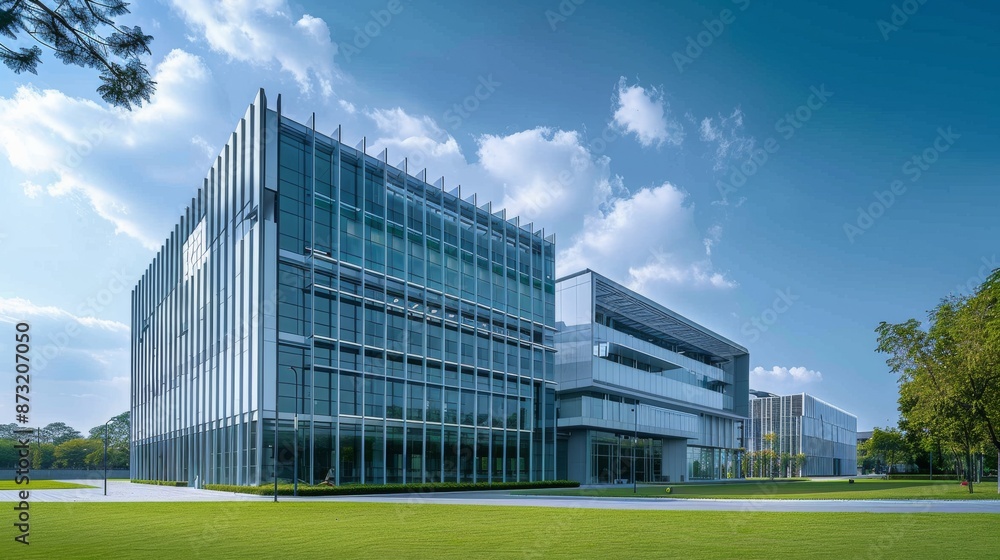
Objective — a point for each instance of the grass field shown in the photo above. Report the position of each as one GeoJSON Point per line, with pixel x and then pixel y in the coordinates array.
{"type": "Point", "coordinates": [41, 485]}
{"type": "Point", "coordinates": [862, 489]}
{"type": "Point", "coordinates": [355, 530]}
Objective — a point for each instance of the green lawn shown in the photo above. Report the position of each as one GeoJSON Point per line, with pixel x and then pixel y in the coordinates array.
{"type": "Point", "coordinates": [41, 485]}
{"type": "Point", "coordinates": [355, 530]}
{"type": "Point", "coordinates": [862, 489]}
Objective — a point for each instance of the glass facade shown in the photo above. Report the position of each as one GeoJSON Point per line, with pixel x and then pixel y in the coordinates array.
{"type": "Point", "coordinates": [802, 424]}
{"type": "Point", "coordinates": [633, 375]}
{"type": "Point", "coordinates": [409, 332]}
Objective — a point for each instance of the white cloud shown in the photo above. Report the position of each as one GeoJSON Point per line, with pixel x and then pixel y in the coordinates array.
{"type": "Point", "coordinates": [548, 175]}
{"type": "Point", "coordinates": [347, 106]}
{"type": "Point", "coordinates": [411, 134]}
{"type": "Point", "coordinates": [726, 133]}
{"type": "Point", "coordinates": [779, 377]}
{"type": "Point", "coordinates": [263, 32]}
{"type": "Point", "coordinates": [209, 149]}
{"type": "Point", "coordinates": [81, 363]}
{"type": "Point", "coordinates": [644, 112]}
{"type": "Point", "coordinates": [543, 175]}
{"type": "Point", "coordinates": [651, 235]}
{"type": "Point", "coordinates": [713, 237]}
{"type": "Point", "coordinates": [423, 143]}
{"type": "Point", "coordinates": [14, 310]}
{"type": "Point", "coordinates": [73, 146]}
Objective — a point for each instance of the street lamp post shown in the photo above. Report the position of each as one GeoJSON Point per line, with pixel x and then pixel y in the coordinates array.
{"type": "Point", "coordinates": [106, 456]}
{"type": "Point", "coordinates": [295, 435]}
{"type": "Point", "coordinates": [635, 442]}
{"type": "Point", "coordinates": [274, 453]}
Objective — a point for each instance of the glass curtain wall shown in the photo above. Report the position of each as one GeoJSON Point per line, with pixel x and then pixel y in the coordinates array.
{"type": "Point", "coordinates": [415, 329]}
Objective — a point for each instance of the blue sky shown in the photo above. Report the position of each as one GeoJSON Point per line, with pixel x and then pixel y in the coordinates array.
{"type": "Point", "coordinates": [787, 176]}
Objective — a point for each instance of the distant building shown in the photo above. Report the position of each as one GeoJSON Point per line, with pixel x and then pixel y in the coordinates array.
{"type": "Point", "coordinates": [643, 392]}
{"type": "Point", "coordinates": [825, 434]}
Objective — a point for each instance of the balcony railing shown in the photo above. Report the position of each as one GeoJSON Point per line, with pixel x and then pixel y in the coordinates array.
{"type": "Point", "coordinates": [618, 416]}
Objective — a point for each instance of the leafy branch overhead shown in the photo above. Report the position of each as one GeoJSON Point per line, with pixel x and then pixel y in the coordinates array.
{"type": "Point", "coordinates": [82, 33]}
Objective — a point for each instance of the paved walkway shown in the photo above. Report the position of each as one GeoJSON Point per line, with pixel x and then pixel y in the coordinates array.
{"type": "Point", "coordinates": [123, 491]}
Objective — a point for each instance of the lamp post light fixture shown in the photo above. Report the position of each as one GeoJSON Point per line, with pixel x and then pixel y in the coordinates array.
{"type": "Point", "coordinates": [106, 456]}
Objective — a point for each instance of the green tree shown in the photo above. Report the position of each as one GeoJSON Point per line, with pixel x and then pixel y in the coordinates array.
{"type": "Point", "coordinates": [889, 446]}
{"type": "Point", "coordinates": [950, 374]}
{"type": "Point", "coordinates": [800, 462]}
{"type": "Point", "coordinates": [8, 455]}
{"type": "Point", "coordinates": [73, 453]}
{"type": "Point", "coordinates": [978, 332]}
{"type": "Point", "coordinates": [58, 433]}
{"type": "Point", "coordinates": [7, 431]}
{"type": "Point", "coordinates": [786, 463]}
{"type": "Point", "coordinates": [771, 441]}
{"type": "Point", "coordinates": [118, 430]}
{"type": "Point", "coordinates": [82, 33]}
{"type": "Point", "coordinates": [118, 444]}
{"type": "Point", "coordinates": [117, 457]}
{"type": "Point", "coordinates": [42, 455]}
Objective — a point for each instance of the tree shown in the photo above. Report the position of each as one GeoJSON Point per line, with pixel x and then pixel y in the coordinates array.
{"type": "Point", "coordinates": [42, 455]}
{"type": "Point", "coordinates": [800, 462]}
{"type": "Point", "coordinates": [58, 433]}
{"type": "Point", "coordinates": [950, 374]}
{"type": "Point", "coordinates": [771, 440]}
{"type": "Point", "coordinates": [118, 430]}
{"type": "Point", "coordinates": [888, 445]}
{"type": "Point", "coordinates": [7, 431]}
{"type": "Point", "coordinates": [73, 30]}
{"type": "Point", "coordinates": [786, 463]}
{"type": "Point", "coordinates": [118, 443]}
{"type": "Point", "coordinates": [73, 453]}
{"type": "Point", "coordinates": [8, 455]}
{"type": "Point", "coordinates": [117, 457]}
{"type": "Point", "coordinates": [978, 331]}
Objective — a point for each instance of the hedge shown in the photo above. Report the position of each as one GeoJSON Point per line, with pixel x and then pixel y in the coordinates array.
{"type": "Point", "coordinates": [908, 476]}
{"type": "Point", "coordinates": [354, 489]}
{"type": "Point", "coordinates": [178, 483]}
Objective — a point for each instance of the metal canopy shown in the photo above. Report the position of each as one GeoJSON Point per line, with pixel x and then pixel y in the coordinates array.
{"type": "Point", "coordinates": [637, 312]}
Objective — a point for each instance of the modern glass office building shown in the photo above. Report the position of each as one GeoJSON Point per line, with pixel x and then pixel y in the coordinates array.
{"type": "Point", "coordinates": [403, 333]}
{"type": "Point", "coordinates": [644, 393]}
{"type": "Point", "coordinates": [825, 434]}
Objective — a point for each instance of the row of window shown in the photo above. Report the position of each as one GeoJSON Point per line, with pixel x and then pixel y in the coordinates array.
{"type": "Point", "coordinates": [347, 393]}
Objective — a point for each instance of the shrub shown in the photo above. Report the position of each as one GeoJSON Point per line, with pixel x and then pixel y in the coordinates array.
{"type": "Point", "coordinates": [177, 483]}
{"type": "Point", "coordinates": [355, 489]}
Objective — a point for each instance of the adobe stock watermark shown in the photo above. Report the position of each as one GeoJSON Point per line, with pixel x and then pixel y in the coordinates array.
{"type": "Point", "coordinates": [92, 138]}
{"type": "Point", "coordinates": [913, 168]}
{"type": "Point", "coordinates": [759, 324]}
{"type": "Point", "coordinates": [563, 11]}
{"type": "Point", "coordinates": [364, 34]}
{"type": "Point", "coordinates": [898, 17]}
{"type": "Point", "coordinates": [461, 111]}
{"type": "Point", "coordinates": [787, 126]}
{"type": "Point", "coordinates": [714, 29]}
{"type": "Point", "coordinates": [973, 282]}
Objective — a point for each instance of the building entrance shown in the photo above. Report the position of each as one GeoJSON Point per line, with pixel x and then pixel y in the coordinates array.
{"type": "Point", "coordinates": [619, 458]}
